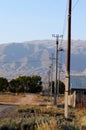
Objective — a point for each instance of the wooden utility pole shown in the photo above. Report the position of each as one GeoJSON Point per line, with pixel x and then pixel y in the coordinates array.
{"type": "Point", "coordinates": [52, 59]}
{"type": "Point", "coordinates": [67, 80]}
{"type": "Point", "coordinates": [49, 83]}
{"type": "Point", "coordinates": [55, 86]}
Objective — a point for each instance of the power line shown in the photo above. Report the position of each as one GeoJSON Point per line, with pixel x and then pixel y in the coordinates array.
{"type": "Point", "coordinates": [64, 29]}
{"type": "Point", "coordinates": [65, 19]}
{"type": "Point", "coordinates": [75, 5]}
{"type": "Point", "coordinates": [64, 23]}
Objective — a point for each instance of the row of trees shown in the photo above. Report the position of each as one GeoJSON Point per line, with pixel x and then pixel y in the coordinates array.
{"type": "Point", "coordinates": [31, 84]}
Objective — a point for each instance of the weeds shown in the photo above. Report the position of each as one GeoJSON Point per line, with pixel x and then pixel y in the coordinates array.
{"type": "Point", "coordinates": [33, 123]}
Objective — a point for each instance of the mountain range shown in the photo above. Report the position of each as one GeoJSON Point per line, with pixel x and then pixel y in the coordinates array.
{"type": "Point", "coordinates": [33, 57]}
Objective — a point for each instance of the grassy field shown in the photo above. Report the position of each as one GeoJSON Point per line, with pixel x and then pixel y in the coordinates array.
{"type": "Point", "coordinates": [9, 97]}
{"type": "Point", "coordinates": [42, 116]}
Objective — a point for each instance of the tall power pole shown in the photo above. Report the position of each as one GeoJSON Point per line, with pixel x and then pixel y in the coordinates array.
{"type": "Point", "coordinates": [67, 87]}
{"type": "Point", "coordinates": [52, 59]}
{"type": "Point", "coordinates": [49, 82]}
{"type": "Point", "coordinates": [59, 70]}
{"type": "Point", "coordinates": [55, 86]}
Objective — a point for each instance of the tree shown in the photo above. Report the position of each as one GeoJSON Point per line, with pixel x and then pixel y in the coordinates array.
{"type": "Point", "coordinates": [3, 84]}
{"type": "Point", "coordinates": [35, 84]}
{"type": "Point", "coordinates": [12, 85]}
{"type": "Point", "coordinates": [26, 84]}
{"type": "Point", "coordinates": [61, 87]}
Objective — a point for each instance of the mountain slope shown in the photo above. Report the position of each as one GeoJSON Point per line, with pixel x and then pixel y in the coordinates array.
{"type": "Point", "coordinates": [32, 57]}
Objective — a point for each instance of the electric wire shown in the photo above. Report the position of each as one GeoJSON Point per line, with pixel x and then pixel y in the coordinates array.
{"type": "Point", "coordinates": [64, 24]}
{"type": "Point", "coordinates": [75, 5]}
{"type": "Point", "coordinates": [63, 33]}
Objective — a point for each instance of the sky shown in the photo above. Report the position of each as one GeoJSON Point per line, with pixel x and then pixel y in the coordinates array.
{"type": "Point", "coordinates": [26, 20]}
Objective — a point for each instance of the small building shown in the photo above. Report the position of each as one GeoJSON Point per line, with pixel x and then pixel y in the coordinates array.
{"type": "Point", "coordinates": [78, 85]}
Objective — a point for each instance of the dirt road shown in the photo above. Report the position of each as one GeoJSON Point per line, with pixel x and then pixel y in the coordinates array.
{"type": "Point", "coordinates": [7, 108]}
{"type": "Point", "coordinates": [27, 99]}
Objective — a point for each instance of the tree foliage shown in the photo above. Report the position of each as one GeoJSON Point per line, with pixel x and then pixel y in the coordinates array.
{"type": "Point", "coordinates": [26, 84]}
{"type": "Point", "coordinates": [61, 86]}
{"type": "Point", "coordinates": [14, 86]}
{"type": "Point", "coordinates": [3, 84]}
{"type": "Point", "coordinates": [35, 84]}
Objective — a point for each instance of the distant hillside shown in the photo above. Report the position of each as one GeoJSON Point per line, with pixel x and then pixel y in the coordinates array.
{"type": "Point", "coordinates": [32, 57]}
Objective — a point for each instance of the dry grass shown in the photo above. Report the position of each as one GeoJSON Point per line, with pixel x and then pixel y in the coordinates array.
{"type": "Point", "coordinates": [83, 120]}
{"type": "Point", "coordinates": [46, 111]}
{"type": "Point", "coordinates": [40, 110]}
{"type": "Point", "coordinates": [47, 126]}
{"type": "Point", "coordinates": [39, 99]}
{"type": "Point", "coordinates": [9, 97]}
{"type": "Point", "coordinates": [35, 99]}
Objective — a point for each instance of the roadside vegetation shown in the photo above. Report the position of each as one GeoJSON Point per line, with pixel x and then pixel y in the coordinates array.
{"type": "Point", "coordinates": [43, 115]}
{"type": "Point", "coordinates": [32, 84]}
{"type": "Point", "coordinates": [33, 117]}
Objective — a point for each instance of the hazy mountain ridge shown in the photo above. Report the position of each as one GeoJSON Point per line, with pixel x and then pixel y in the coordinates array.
{"type": "Point", "coordinates": [32, 57]}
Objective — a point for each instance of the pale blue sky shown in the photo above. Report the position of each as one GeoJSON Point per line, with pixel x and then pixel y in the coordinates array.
{"type": "Point", "coordinates": [25, 20]}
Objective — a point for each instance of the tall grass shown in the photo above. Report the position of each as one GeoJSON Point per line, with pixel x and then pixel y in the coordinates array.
{"type": "Point", "coordinates": [33, 123]}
